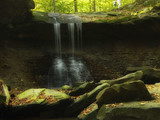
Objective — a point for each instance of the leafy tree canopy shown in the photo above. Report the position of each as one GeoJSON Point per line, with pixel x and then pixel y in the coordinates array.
{"type": "Point", "coordinates": [72, 6]}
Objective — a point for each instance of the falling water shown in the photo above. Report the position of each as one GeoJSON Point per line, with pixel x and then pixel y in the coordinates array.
{"type": "Point", "coordinates": [78, 70]}
{"type": "Point", "coordinates": [79, 35]}
{"type": "Point", "coordinates": [71, 36]}
{"type": "Point", "coordinates": [58, 74]}
{"type": "Point", "coordinates": [70, 69]}
{"type": "Point", "coordinates": [57, 35]}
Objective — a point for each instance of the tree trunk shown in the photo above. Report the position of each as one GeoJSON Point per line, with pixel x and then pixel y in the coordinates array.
{"type": "Point", "coordinates": [90, 7]}
{"type": "Point", "coordinates": [54, 6]}
{"type": "Point", "coordinates": [75, 5]}
{"type": "Point", "coordinates": [94, 5]}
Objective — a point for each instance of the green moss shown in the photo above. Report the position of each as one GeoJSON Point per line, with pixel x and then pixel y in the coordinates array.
{"type": "Point", "coordinates": [66, 87]}
{"type": "Point", "coordinates": [40, 16]}
{"type": "Point", "coordinates": [118, 20]}
{"type": "Point", "coordinates": [33, 93]}
{"type": "Point", "coordinates": [56, 94]}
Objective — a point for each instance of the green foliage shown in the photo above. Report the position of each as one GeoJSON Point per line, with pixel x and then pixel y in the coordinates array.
{"type": "Point", "coordinates": [67, 6]}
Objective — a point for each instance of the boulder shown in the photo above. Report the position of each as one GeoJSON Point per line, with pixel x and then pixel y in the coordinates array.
{"type": "Point", "coordinates": [31, 94]}
{"type": "Point", "coordinates": [92, 95]}
{"type": "Point", "coordinates": [82, 89]}
{"type": "Point", "coordinates": [4, 94]}
{"type": "Point", "coordinates": [150, 75]}
{"type": "Point", "coordinates": [129, 77]}
{"type": "Point", "coordinates": [44, 102]}
{"type": "Point", "coordinates": [77, 106]}
{"type": "Point", "coordinates": [84, 101]}
{"type": "Point", "coordinates": [134, 69]}
{"type": "Point", "coordinates": [77, 84]}
{"type": "Point", "coordinates": [130, 111]}
{"type": "Point", "coordinates": [2, 97]}
{"type": "Point", "coordinates": [128, 91]}
{"type": "Point", "coordinates": [15, 10]}
{"type": "Point", "coordinates": [66, 87]}
{"type": "Point", "coordinates": [89, 113]}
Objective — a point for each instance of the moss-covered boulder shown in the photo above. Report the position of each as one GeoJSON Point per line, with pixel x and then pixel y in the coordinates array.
{"type": "Point", "coordinates": [31, 94]}
{"type": "Point", "coordinates": [130, 111]}
{"type": "Point", "coordinates": [128, 91]}
{"type": "Point", "coordinates": [2, 97]}
{"type": "Point", "coordinates": [134, 69]}
{"type": "Point", "coordinates": [82, 89]}
{"type": "Point", "coordinates": [44, 102]}
{"type": "Point", "coordinates": [129, 77]}
{"type": "Point", "coordinates": [4, 94]}
{"type": "Point", "coordinates": [150, 75]}
{"type": "Point", "coordinates": [66, 87]}
{"type": "Point", "coordinates": [84, 101]}
{"type": "Point", "coordinates": [89, 113]}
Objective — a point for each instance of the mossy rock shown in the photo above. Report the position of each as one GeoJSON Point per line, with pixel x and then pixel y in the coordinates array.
{"type": "Point", "coordinates": [130, 111]}
{"type": "Point", "coordinates": [134, 69]}
{"type": "Point", "coordinates": [37, 95]}
{"type": "Point", "coordinates": [47, 102]}
{"type": "Point", "coordinates": [89, 113]}
{"type": "Point", "coordinates": [128, 91]}
{"type": "Point", "coordinates": [84, 88]}
{"type": "Point", "coordinates": [4, 93]}
{"type": "Point", "coordinates": [129, 77]}
{"type": "Point", "coordinates": [41, 16]}
{"type": "Point", "coordinates": [150, 75]}
{"type": "Point", "coordinates": [32, 93]}
{"type": "Point", "coordinates": [84, 101]}
{"type": "Point", "coordinates": [66, 87]}
{"type": "Point", "coordinates": [56, 94]}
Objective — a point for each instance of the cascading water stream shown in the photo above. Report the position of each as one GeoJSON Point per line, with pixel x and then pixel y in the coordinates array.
{"type": "Point", "coordinates": [71, 36]}
{"type": "Point", "coordinates": [71, 69]}
{"type": "Point", "coordinates": [57, 35]}
{"type": "Point", "coordinates": [79, 35]}
{"type": "Point", "coordinates": [58, 70]}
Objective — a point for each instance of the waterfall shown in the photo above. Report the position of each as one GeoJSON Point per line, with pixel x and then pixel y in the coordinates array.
{"type": "Point", "coordinates": [58, 74]}
{"type": "Point", "coordinates": [57, 35]}
{"type": "Point", "coordinates": [70, 69]}
{"type": "Point", "coordinates": [71, 36]}
{"type": "Point", "coordinates": [79, 35]}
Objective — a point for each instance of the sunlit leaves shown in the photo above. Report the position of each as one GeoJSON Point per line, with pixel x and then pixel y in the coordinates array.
{"type": "Point", "coordinates": [67, 6]}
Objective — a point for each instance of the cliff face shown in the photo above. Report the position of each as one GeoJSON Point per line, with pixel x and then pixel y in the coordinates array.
{"type": "Point", "coordinates": [15, 10]}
